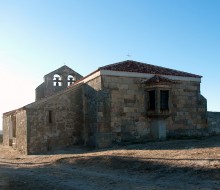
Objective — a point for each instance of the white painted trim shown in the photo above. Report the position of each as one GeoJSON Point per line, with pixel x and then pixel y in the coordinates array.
{"type": "Point", "coordinates": [126, 74]}
{"type": "Point", "coordinates": [193, 79]}
{"type": "Point", "coordinates": [136, 75]}
{"type": "Point", "coordinates": [147, 76]}
{"type": "Point", "coordinates": [90, 77]}
{"type": "Point", "coordinates": [94, 75]}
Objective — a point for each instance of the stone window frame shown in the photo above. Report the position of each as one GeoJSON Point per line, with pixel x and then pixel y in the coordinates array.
{"type": "Point", "coordinates": [158, 111]}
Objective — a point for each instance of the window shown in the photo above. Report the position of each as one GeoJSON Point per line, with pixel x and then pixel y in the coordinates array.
{"type": "Point", "coordinates": [158, 97]}
{"type": "Point", "coordinates": [50, 119]}
{"type": "Point", "coordinates": [70, 80]}
{"type": "Point", "coordinates": [57, 81]}
{"type": "Point", "coordinates": [164, 100]}
{"type": "Point", "coordinates": [151, 99]}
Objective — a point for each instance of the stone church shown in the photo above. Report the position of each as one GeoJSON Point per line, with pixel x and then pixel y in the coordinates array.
{"type": "Point", "coordinates": [125, 102]}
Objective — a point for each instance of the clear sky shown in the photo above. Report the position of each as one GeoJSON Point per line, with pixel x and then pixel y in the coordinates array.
{"type": "Point", "coordinates": [38, 36]}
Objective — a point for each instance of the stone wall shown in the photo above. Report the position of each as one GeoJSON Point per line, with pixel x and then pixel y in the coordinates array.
{"type": "Point", "coordinates": [127, 109]}
{"type": "Point", "coordinates": [103, 111]}
{"type": "Point", "coordinates": [15, 130]}
{"type": "Point", "coordinates": [1, 137]}
{"type": "Point", "coordinates": [56, 121]}
{"type": "Point", "coordinates": [188, 110]}
{"type": "Point", "coordinates": [97, 114]}
{"type": "Point", "coordinates": [6, 124]}
{"type": "Point", "coordinates": [39, 92]}
{"type": "Point", "coordinates": [47, 88]}
{"type": "Point", "coordinates": [214, 122]}
{"type": "Point", "coordinates": [21, 132]}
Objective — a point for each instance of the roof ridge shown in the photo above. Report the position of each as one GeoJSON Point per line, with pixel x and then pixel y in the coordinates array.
{"type": "Point", "coordinates": [113, 64]}
{"type": "Point", "coordinates": [135, 66]}
{"type": "Point", "coordinates": [60, 68]}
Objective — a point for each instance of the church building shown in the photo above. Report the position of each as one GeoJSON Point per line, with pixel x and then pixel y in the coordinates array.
{"type": "Point", "coordinates": [125, 102]}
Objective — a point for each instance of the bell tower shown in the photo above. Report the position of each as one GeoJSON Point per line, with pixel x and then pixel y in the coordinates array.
{"type": "Point", "coordinates": [56, 81]}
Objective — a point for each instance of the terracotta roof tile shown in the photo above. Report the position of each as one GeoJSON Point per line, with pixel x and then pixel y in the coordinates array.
{"type": "Point", "coordinates": [134, 66]}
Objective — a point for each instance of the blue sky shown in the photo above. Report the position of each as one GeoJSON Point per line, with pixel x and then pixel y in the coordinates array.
{"type": "Point", "coordinates": [39, 36]}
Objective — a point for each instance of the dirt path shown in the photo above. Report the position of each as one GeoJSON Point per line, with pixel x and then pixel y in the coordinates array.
{"type": "Point", "coordinates": [179, 164]}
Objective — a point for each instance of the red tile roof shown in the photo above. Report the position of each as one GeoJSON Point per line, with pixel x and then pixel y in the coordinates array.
{"type": "Point", "coordinates": [138, 67]}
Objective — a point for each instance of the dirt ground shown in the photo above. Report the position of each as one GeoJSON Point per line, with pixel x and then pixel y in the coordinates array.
{"type": "Point", "coordinates": [173, 164]}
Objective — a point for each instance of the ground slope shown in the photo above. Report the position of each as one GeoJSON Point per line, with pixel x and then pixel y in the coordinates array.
{"type": "Point", "coordinates": [178, 164]}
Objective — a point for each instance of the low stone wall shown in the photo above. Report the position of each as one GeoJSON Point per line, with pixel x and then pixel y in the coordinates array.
{"type": "Point", "coordinates": [214, 122]}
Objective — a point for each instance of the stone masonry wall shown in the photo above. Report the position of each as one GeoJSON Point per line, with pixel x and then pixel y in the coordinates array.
{"type": "Point", "coordinates": [214, 122]}
{"type": "Point", "coordinates": [188, 110]}
{"type": "Point", "coordinates": [128, 121]}
{"type": "Point", "coordinates": [15, 130]}
{"type": "Point", "coordinates": [97, 114]}
{"type": "Point", "coordinates": [21, 131]}
{"type": "Point", "coordinates": [6, 123]}
{"type": "Point", "coordinates": [56, 122]}
{"type": "Point", "coordinates": [128, 109]}
{"type": "Point", "coordinates": [39, 92]}
{"type": "Point", "coordinates": [47, 88]}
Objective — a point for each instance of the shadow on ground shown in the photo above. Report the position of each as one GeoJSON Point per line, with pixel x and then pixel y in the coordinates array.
{"type": "Point", "coordinates": [145, 165]}
{"type": "Point", "coordinates": [20, 179]}
{"type": "Point", "coordinates": [64, 173]}
{"type": "Point", "coordinates": [170, 144]}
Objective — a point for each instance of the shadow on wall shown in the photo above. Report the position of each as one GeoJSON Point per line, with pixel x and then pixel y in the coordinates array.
{"type": "Point", "coordinates": [214, 122]}
{"type": "Point", "coordinates": [1, 139]}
